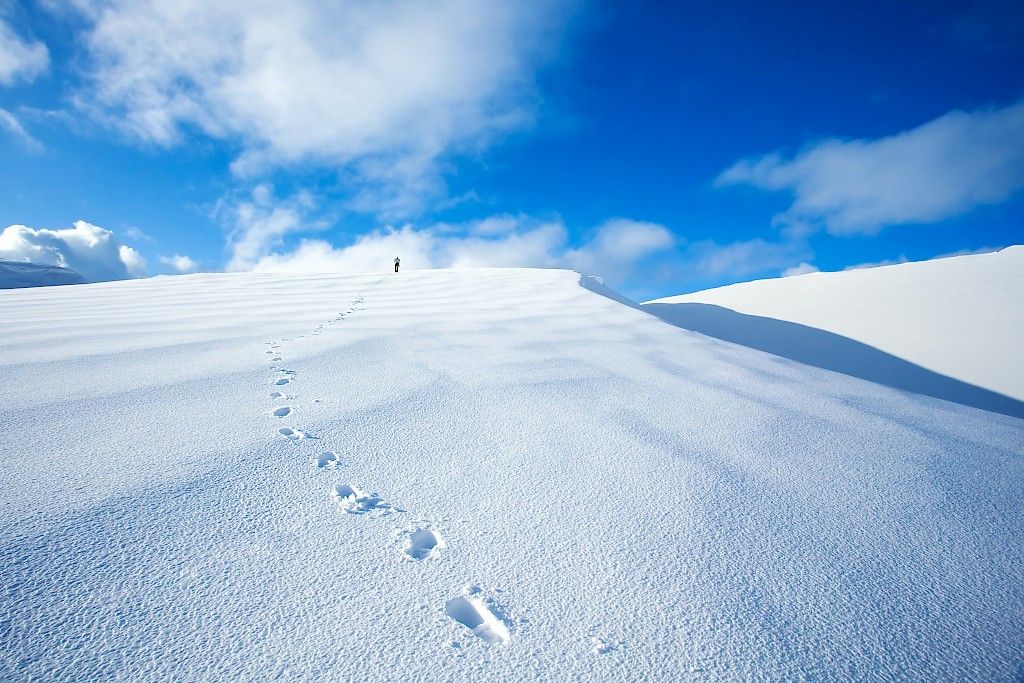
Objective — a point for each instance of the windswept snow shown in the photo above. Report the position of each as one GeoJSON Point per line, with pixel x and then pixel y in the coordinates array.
{"type": "Point", "coordinates": [951, 327]}
{"type": "Point", "coordinates": [17, 274]}
{"type": "Point", "coordinates": [482, 475]}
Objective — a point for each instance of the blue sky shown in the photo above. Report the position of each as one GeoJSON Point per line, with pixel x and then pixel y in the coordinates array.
{"type": "Point", "coordinates": [667, 146]}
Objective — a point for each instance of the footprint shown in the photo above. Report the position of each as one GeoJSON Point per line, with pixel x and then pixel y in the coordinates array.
{"type": "Point", "coordinates": [275, 394]}
{"type": "Point", "coordinates": [421, 543]}
{"type": "Point", "coordinates": [356, 501]}
{"type": "Point", "coordinates": [283, 411]}
{"type": "Point", "coordinates": [602, 646]}
{"type": "Point", "coordinates": [281, 382]}
{"type": "Point", "coordinates": [474, 613]}
{"type": "Point", "coordinates": [292, 434]}
{"type": "Point", "coordinates": [275, 359]}
{"type": "Point", "coordinates": [329, 460]}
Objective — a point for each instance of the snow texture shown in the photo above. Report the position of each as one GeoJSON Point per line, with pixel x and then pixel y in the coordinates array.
{"type": "Point", "coordinates": [950, 327]}
{"type": "Point", "coordinates": [18, 274]}
{"type": "Point", "coordinates": [609, 497]}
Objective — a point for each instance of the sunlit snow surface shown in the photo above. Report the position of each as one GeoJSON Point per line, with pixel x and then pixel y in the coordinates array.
{"type": "Point", "coordinates": [482, 475]}
{"type": "Point", "coordinates": [961, 317]}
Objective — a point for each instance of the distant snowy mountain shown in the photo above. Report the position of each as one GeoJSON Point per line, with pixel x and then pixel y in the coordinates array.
{"type": "Point", "coordinates": [479, 475]}
{"type": "Point", "coordinates": [951, 328]}
{"type": "Point", "coordinates": [17, 274]}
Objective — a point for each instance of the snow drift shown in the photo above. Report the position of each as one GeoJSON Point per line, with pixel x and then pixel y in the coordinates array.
{"type": "Point", "coordinates": [950, 327]}
{"type": "Point", "coordinates": [479, 475]}
{"type": "Point", "coordinates": [17, 274]}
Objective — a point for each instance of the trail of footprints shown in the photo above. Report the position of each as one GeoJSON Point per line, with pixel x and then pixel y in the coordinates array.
{"type": "Point", "coordinates": [418, 542]}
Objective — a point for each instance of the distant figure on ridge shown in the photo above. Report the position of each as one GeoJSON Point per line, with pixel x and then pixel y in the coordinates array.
{"type": "Point", "coordinates": [396, 264]}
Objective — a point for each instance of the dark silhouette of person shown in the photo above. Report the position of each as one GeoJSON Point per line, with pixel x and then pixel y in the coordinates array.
{"type": "Point", "coordinates": [397, 261]}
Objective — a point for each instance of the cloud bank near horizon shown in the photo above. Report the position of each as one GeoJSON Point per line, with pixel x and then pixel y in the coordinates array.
{"type": "Point", "coordinates": [89, 250]}
{"type": "Point", "coordinates": [616, 247]}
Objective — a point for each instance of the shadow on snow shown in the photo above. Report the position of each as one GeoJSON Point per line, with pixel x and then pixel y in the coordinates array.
{"type": "Point", "coordinates": [812, 346]}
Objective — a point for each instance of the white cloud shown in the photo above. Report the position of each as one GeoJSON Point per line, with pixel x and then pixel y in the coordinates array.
{"type": "Point", "coordinates": [20, 59]}
{"type": "Point", "coordinates": [878, 264]}
{"type": "Point", "coordinates": [259, 223]}
{"type": "Point", "coordinates": [383, 91]}
{"type": "Point", "coordinates": [938, 170]}
{"type": "Point", "coordinates": [620, 250]}
{"type": "Point", "coordinates": [709, 259]}
{"type": "Point", "coordinates": [180, 263]}
{"type": "Point", "coordinates": [89, 250]}
{"type": "Point", "coordinates": [132, 260]}
{"type": "Point", "coordinates": [532, 243]}
{"type": "Point", "coordinates": [136, 233]}
{"type": "Point", "coordinates": [902, 258]}
{"type": "Point", "coordinates": [616, 247]}
{"type": "Point", "coordinates": [372, 251]}
{"type": "Point", "coordinates": [801, 269]}
{"type": "Point", "coordinates": [969, 252]}
{"type": "Point", "coordinates": [14, 127]}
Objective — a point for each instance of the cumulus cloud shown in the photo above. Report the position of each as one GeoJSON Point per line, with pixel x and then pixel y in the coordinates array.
{"type": "Point", "coordinates": [382, 91]}
{"type": "Point", "coordinates": [938, 170]}
{"type": "Point", "coordinates": [180, 263]}
{"type": "Point", "coordinates": [619, 244]}
{"type": "Point", "coordinates": [20, 60]}
{"type": "Point", "coordinates": [529, 243]}
{"type": "Point", "coordinates": [615, 248]}
{"type": "Point", "coordinates": [87, 249]}
{"type": "Point", "coordinates": [801, 269]}
{"type": "Point", "coordinates": [133, 262]}
{"type": "Point", "coordinates": [620, 250]}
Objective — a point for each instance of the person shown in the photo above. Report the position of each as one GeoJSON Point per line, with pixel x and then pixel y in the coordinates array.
{"type": "Point", "coordinates": [396, 264]}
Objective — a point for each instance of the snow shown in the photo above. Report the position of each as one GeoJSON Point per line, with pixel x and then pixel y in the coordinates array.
{"type": "Point", "coordinates": [17, 274]}
{"type": "Point", "coordinates": [950, 327]}
{"type": "Point", "coordinates": [492, 474]}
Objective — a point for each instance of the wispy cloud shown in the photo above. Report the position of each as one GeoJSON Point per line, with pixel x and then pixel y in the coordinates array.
{"type": "Point", "coordinates": [938, 170]}
{"type": "Point", "coordinates": [9, 123]}
{"type": "Point", "coordinates": [258, 222]}
{"type": "Point", "coordinates": [382, 92]}
{"type": "Point", "coordinates": [136, 233]}
{"type": "Point", "coordinates": [710, 259]}
{"type": "Point", "coordinates": [20, 59]}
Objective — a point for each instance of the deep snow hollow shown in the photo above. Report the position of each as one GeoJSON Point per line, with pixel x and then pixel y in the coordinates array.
{"type": "Point", "coordinates": [491, 474]}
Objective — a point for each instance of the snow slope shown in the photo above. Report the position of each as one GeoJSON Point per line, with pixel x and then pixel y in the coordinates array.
{"type": "Point", "coordinates": [15, 274]}
{"type": "Point", "coordinates": [960, 318]}
{"type": "Point", "coordinates": [479, 475]}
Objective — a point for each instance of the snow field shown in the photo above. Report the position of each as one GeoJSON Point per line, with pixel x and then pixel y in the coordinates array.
{"type": "Point", "coordinates": [484, 475]}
